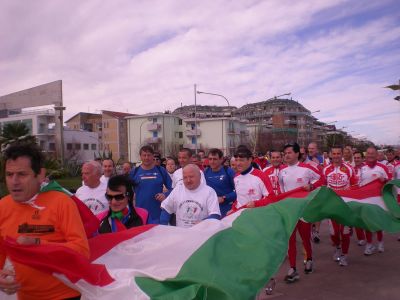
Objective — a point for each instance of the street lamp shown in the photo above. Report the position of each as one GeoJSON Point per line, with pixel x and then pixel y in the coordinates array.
{"type": "Point", "coordinates": [213, 94]}
{"type": "Point", "coordinates": [313, 112]}
{"type": "Point", "coordinates": [140, 132]}
{"type": "Point", "coordinates": [227, 101]}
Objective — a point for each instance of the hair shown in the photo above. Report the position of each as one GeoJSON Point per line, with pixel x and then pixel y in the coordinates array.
{"type": "Point", "coordinates": [243, 151]}
{"type": "Point", "coordinates": [187, 150]}
{"type": "Point", "coordinates": [389, 150]}
{"type": "Point", "coordinates": [216, 151]}
{"type": "Point", "coordinates": [120, 180]}
{"type": "Point", "coordinates": [359, 152]}
{"type": "Point", "coordinates": [31, 151]}
{"type": "Point", "coordinates": [337, 147]}
{"type": "Point", "coordinates": [146, 148]}
{"type": "Point", "coordinates": [276, 151]}
{"type": "Point", "coordinates": [96, 166]}
{"type": "Point", "coordinates": [294, 146]}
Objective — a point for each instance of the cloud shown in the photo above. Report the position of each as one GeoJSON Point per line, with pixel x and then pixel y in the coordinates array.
{"type": "Point", "coordinates": [145, 56]}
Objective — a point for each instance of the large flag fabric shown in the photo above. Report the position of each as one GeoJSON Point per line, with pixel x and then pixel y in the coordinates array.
{"type": "Point", "coordinates": [228, 259]}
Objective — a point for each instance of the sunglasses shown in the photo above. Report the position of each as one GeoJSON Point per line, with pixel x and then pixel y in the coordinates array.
{"type": "Point", "coordinates": [118, 197]}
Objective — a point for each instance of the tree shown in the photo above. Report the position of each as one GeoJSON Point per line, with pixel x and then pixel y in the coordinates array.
{"type": "Point", "coordinates": [15, 132]}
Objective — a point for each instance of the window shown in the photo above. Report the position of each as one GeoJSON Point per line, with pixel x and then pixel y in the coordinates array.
{"type": "Point", "coordinates": [93, 146]}
{"type": "Point", "coordinates": [77, 146]}
{"type": "Point", "coordinates": [85, 146]}
{"type": "Point", "coordinates": [155, 134]}
{"type": "Point", "coordinates": [193, 140]}
{"type": "Point", "coordinates": [154, 120]}
{"type": "Point", "coordinates": [69, 146]}
{"type": "Point", "coordinates": [180, 134]}
{"type": "Point", "coordinates": [180, 122]}
{"type": "Point", "coordinates": [52, 146]}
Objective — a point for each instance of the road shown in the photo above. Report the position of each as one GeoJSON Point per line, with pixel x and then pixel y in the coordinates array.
{"type": "Point", "coordinates": [366, 277]}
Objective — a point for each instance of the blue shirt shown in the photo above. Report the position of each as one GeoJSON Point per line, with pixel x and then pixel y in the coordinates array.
{"type": "Point", "coordinates": [222, 183]}
{"type": "Point", "coordinates": [148, 183]}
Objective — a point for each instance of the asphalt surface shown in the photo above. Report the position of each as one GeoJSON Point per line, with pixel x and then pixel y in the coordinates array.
{"type": "Point", "coordinates": [366, 277]}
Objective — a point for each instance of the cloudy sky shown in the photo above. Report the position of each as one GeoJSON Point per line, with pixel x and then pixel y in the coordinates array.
{"type": "Point", "coordinates": [145, 56]}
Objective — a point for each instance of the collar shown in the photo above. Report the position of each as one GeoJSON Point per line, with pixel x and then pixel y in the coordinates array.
{"type": "Point", "coordinates": [248, 170]}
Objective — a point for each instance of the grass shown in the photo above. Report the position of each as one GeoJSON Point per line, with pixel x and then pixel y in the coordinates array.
{"type": "Point", "coordinates": [70, 183]}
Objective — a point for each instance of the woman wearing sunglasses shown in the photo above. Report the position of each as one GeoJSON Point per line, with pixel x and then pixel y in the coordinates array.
{"type": "Point", "coordinates": [121, 215]}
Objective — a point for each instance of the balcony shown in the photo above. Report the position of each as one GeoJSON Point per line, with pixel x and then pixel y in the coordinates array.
{"type": "Point", "coordinates": [193, 132]}
{"type": "Point", "coordinates": [291, 122]}
{"type": "Point", "coordinates": [153, 140]}
{"type": "Point", "coordinates": [153, 126]}
{"type": "Point", "coordinates": [232, 131]}
{"type": "Point", "coordinates": [192, 146]}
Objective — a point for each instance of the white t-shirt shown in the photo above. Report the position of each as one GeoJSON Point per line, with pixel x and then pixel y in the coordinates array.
{"type": "Point", "coordinates": [104, 179]}
{"type": "Point", "coordinates": [177, 177]}
{"type": "Point", "coordinates": [298, 175]}
{"type": "Point", "coordinates": [191, 206]}
{"type": "Point", "coordinates": [368, 174]}
{"type": "Point", "coordinates": [94, 198]}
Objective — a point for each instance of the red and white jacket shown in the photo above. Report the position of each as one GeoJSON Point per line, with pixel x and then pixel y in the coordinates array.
{"type": "Point", "coordinates": [391, 165]}
{"type": "Point", "coordinates": [273, 175]}
{"type": "Point", "coordinates": [298, 175]}
{"type": "Point", "coordinates": [340, 177]}
{"type": "Point", "coordinates": [369, 174]}
{"type": "Point", "coordinates": [251, 185]}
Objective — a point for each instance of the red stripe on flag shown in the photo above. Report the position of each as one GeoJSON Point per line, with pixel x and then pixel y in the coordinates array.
{"type": "Point", "coordinates": [101, 244]}
{"type": "Point", "coordinates": [51, 258]}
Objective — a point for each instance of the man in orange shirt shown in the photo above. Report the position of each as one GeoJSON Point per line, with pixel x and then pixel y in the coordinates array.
{"type": "Point", "coordinates": [34, 218]}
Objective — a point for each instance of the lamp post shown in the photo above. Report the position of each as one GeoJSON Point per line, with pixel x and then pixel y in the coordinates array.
{"type": "Point", "coordinates": [227, 101]}
{"type": "Point", "coordinates": [60, 109]}
{"type": "Point", "coordinates": [140, 132]}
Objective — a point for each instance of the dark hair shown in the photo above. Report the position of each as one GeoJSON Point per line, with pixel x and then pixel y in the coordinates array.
{"type": "Point", "coordinates": [187, 150]}
{"type": "Point", "coordinates": [359, 152]}
{"type": "Point", "coordinates": [215, 151]}
{"type": "Point", "coordinates": [337, 147]}
{"type": "Point", "coordinates": [121, 180]}
{"type": "Point", "coordinates": [146, 148]}
{"type": "Point", "coordinates": [113, 163]}
{"type": "Point", "coordinates": [294, 146]}
{"type": "Point", "coordinates": [31, 151]}
{"type": "Point", "coordinates": [389, 150]}
{"type": "Point", "coordinates": [277, 151]}
{"type": "Point", "coordinates": [243, 151]}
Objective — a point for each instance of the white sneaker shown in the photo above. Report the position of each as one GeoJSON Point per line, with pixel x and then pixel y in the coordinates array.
{"type": "Point", "coordinates": [343, 261]}
{"type": "Point", "coordinates": [336, 254]}
{"type": "Point", "coordinates": [369, 249]}
{"type": "Point", "coordinates": [361, 242]}
{"type": "Point", "coordinates": [269, 289]}
{"type": "Point", "coordinates": [381, 248]}
{"type": "Point", "coordinates": [292, 276]}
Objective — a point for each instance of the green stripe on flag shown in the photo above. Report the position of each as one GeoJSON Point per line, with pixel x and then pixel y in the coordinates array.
{"type": "Point", "coordinates": [236, 263]}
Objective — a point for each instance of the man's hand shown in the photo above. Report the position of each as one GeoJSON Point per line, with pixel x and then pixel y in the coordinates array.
{"type": "Point", "coordinates": [8, 284]}
{"type": "Point", "coordinates": [251, 204]}
{"type": "Point", "coordinates": [160, 197]}
{"type": "Point", "coordinates": [28, 240]}
{"type": "Point", "coordinates": [308, 187]}
{"type": "Point", "coordinates": [221, 199]}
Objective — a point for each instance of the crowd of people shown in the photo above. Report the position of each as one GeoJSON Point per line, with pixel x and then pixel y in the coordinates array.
{"type": "Point", "coordinates": [182, 192]}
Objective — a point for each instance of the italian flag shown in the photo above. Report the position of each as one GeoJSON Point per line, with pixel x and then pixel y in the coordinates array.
{"type": "Point", "coordinates": [228, 259]}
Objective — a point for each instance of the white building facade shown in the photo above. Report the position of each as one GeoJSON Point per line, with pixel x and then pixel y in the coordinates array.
{"type": "Point", "coordinates": [80, 146]}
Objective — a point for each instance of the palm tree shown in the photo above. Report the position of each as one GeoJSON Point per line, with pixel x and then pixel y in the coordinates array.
{"type": "Point", "coordinates": [13, 132]}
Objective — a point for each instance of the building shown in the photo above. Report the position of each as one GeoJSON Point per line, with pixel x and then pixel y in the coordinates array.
{"type": "Point", "coordinates": [164, 132]}
{"type": "Point", "coordinates": [80, 145]}
{"type": "Point", "coordinates": [204, 111]}
{"type": "Point", "coordinates": [222, 133]}
{"type": "Point", "coordinates": [285, 120]}
{"type": "Point", "coordinates": [40, 123]}
{"type": "Point", "coordinates": [111, 128]}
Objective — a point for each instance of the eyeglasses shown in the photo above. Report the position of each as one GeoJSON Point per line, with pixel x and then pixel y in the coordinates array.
{"type": "Point", "coordinates": [118, 197]}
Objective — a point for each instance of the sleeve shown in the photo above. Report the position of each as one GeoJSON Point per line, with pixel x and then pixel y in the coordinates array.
{"type": "Point", "coordinates": [230, 197]}
{"type": "Point", "coordinates": [316, 178]}
{"type": "Point", "coordinates": [169, 203]}
{"type": "Point", "coordinates": [71, 226]}
{"type": "Point", "coordinates": [212, 203]}
{"type": "Point", "coordinates": [167, 181]}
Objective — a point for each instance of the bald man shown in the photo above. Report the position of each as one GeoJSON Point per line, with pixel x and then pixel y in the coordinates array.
{"type": "Point", "coordinates": [192, 201]}
{"type": "Point", "coordinates": [92, 192]}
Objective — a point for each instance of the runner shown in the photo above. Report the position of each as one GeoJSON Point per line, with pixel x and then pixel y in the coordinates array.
{"type": "Point", "coordinates": [294, 175]}
{"type": "Point", "coordinates": [339, 176]}
{"type": "Point", "coordinates": [273, 170]}
{"type": "Point", "coordinates": [373, 170]}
